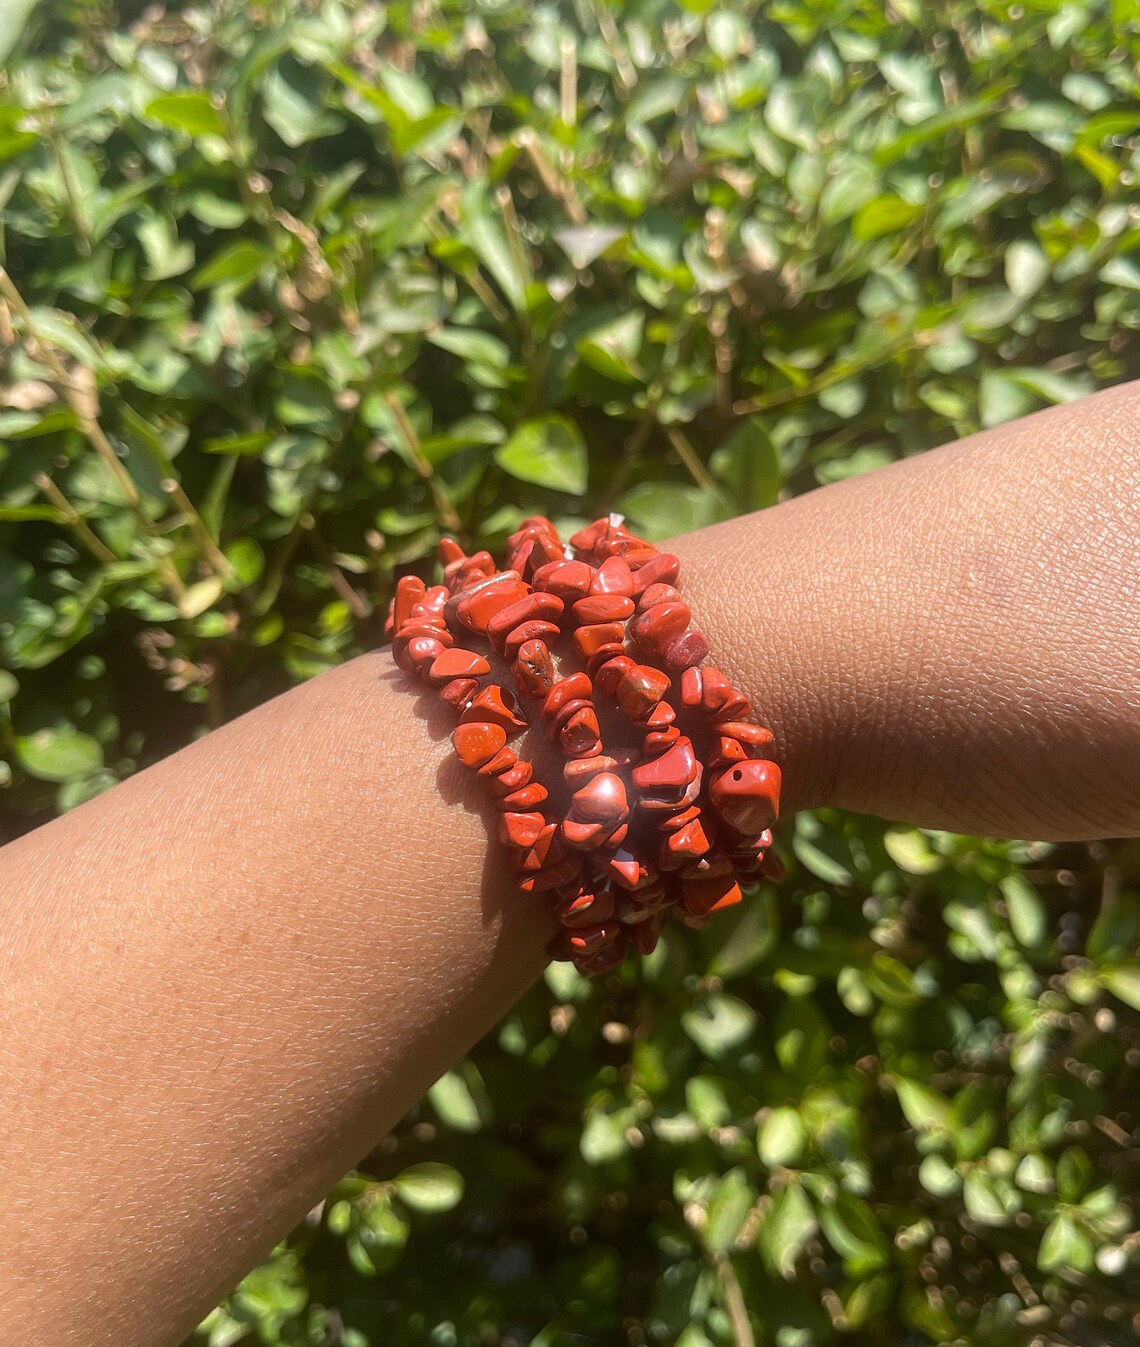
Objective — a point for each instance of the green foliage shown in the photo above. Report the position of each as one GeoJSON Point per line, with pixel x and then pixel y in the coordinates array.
{"type": "Point", "coordinates": [296, 288]}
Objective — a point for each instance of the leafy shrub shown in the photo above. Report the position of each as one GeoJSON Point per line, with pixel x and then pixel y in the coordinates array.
{"type": "Point", "coordinates": [291, 289]}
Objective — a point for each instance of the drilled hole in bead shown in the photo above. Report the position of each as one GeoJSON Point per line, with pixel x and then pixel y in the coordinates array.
{"type": "Point", "coordinates": [737, 775]}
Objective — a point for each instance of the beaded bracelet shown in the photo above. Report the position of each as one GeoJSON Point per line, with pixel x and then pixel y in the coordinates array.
{"type": "Point", "coordinates": [672, 807]}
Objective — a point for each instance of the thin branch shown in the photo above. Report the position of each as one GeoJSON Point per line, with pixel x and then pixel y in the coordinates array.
{"type": "Point", "coordinates": [685, 452]}
{"type": "Point", "coordinates": [73, 520]}
{"type": "Point", "coordinates": [734, 1304]}
{"type": "Point", "coordinates": [443, 505]}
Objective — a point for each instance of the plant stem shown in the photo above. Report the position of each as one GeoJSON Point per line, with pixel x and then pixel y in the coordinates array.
{"type": "Point", "coordinates": [685, 452]}
{"type": "Point", "coordinates": [443, 505]}
{"type": "Point", "coordinates": [734, 1304]}
{"type": "Point", "coordinates": [73, 520]}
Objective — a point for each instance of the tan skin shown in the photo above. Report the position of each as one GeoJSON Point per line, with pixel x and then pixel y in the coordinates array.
{"type": "Point", "coordinates": [222, 981]}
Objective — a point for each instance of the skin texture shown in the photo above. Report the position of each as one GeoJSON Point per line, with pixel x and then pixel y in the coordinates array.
{"type": "Point", "coordinates": [225, 979]}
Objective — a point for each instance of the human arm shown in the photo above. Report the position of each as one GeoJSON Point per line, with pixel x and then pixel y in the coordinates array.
{"type": "Point", "coordinates": [222, 981]}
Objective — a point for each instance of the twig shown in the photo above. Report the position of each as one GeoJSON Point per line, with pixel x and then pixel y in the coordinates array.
{"type": "Point", "coordinates": [71, 189]}
{"type": "Point", "coordinates": [443, 505]}
{"type": "Point", "coordinates": [685, 452]}
{"type": "Point", "coordinates": [73, 520]}
{"type": "Point", "coordinates": [825, 380]}
{"type": "Point", "coordinates": [734, 1304]}
{"type": "Point", "coordinates": [214, 553]}
{"type": "Point", "coordinates": [559, 187]}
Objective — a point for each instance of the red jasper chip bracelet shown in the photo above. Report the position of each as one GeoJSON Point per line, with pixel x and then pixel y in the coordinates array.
{"type": "Point", "coordinates": [668, 794]}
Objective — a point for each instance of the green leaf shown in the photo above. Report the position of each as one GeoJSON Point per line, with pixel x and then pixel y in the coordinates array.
{"type": "Point", "coordinates": [732, 1199]}
{"type": "Point", "coordinates": [883, 215]}
{"type": "Point", "coordinates": [1065, 1246]}
{"type": "Point", "coordinates": [613, 348]}
{"type": "Point", "coordinates": [233, 267]}
{"type": "Point", "coordinates": [782, 1137]}
{"type": "Point", "coordinates": [452, 1099]}
{"type": "Point", "coordinates": [295, 101]}
{"type": "Point", "coordinates": [1027, 918]}
{"type": "Point", "coordinates": [660, 510]}
{"type": "Point", "coordinates": [1123, 981]}
{"type": "Point", "coordinates": [925, 1109]}
{"type": "Point", "coordinates": [603, 1138]}
{"type": "Point", "coordinates": [853, 1232]}
{"type": "Point", "coordinates": [548, 451]}
{"type": "Point", "coordinates": [192, 112]}
{"type": "Point", "coordinates": [63, 754]}
{"type": "Point", "coordinates": [787, 1226]}
{"type": "Point", "coordinates": [748, 465]}
{"type": "Point", "coordinates": [989, 1200]}
{"type": "Point", "coordinates": [719, 1023]}
{"type": "Point", "coordinates": [430, 1187]}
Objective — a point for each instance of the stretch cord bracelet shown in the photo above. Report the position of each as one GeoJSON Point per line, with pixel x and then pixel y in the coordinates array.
{"type": "Point", "coordinates": [671, 807]}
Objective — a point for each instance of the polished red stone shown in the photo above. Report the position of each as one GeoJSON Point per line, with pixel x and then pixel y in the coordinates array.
{"type": "Point", "coordinates": [459, 691]}
{"type": "Point", "coordinates": [671, 780]}
{"type": "Point", "coordinates": [413, 655]}
{"type": "Point", "coordinates": [718, 698]}
{"type": "Point", "coordinates": [610, 674]}
{"type": "Point", "coordinates": [552, 876]}
{"type": "Point", "coordinates": [747, 795]}
{"type": "Point", "coordinates": [585, 836]}
{"type": "Point", "coordinates": [547, 607]}
{"type": "Point", "coordinates": [656, 594]}
{"type": "Point", "coordinates": [607, 651]}
{"type": "Point", "coordinates": [588, 907]}
{"type": "Point", "coordinates": [603, 608]}
{"type": "Point", "coordinates": [475, 608]}
{"type": "Point", "coordinates": [589, 640]}
{"type": "Point", "coordinates": [601, 800]}
{"type": "Point", "coordinates": [520, 830]}
{"type": "Point", "coordinates": [686, 650]}
{"type": "Point", "coordinates": [692, 686]}
{"type": "Point", "coordinates": [626, 869]}
{"type": "Point", "coordinates": [658, 740]}
{"type": "Point", "coordinates": [449, 552]}
{"type": "Point", "coordinates": [656, 628]}
{"type": "Point", "coordinates": [503, 761]}
{"type": "Point", "coordinates": [702, 894]}
{"type": "Point", "coordinates": [662, 568]}
{"type": "Point", "coordinates": [477, 744]}
{"type": "Point", "coordinates": [661, 717]}
{"type": "Point", "coordinates": [457, 663]}
{"type": "Point", "coordinates": [645, 934]}
{"type": "Point", "coordinates": [409, 590]}
{"type": "Point", "coordinates": [513, 778]}
{"type": "Point", "coordinates": [613, 576]}
{"type": "Point", "coordinates": [496, 706]}
{"type": "Point", "coordinates": [755, 737]}
{"type": "Point", "coordinates": [547, 849]}
{"type": "Point", "coordinates": [676, 847]}
{"type": "Point", "coordinates": [529, 796]}
{"type": "Point", "coordinates": [724, 750]}
{"type": "Point", "coordinates": [576, 771]}
{"type": "Point", "coordinates": [533, 670]}
{"type": "Point", "coordinates": [640, 690]}
{"type": "Point", "coordinates": [432, 603]}
{"type": "Point", "coordinates": [535, 630]}
{"type": "Point", "coordinates": [589, 938]}
{"type": "Point", "coordinates": [568, 689]}
{"type": "Point", "coordinates": [580, 736]}
{"type": "Point", "coordinates": [569, 580]}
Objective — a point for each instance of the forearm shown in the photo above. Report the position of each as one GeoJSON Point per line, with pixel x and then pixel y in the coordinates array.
{"type": "Point", "coordinates": [222, 981]}
{"type": "Point", "coordinates": [954, 641]}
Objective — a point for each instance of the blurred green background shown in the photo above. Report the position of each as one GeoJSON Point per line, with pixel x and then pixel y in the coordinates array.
{"type": "Point", "coordinates": [292, 288]}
